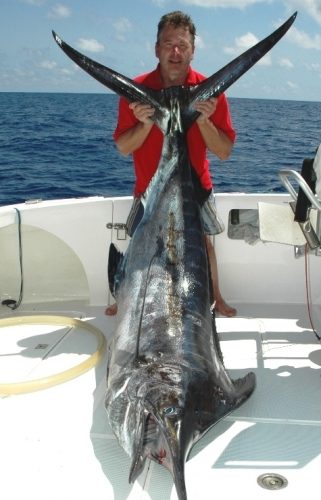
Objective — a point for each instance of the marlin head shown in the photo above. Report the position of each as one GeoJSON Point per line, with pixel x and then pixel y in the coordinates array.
{"type": "Point", "coordinates": [166, 434]}
{"type": "Point", "coordinates": [168, 409]}
{"type": "Point", "coordinates": [162, 438]}
{"type": "Point", "coordinates": [162, 421]}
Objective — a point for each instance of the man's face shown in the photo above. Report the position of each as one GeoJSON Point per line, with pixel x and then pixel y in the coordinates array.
{"type": "Point", "coordinates": [175, 51]}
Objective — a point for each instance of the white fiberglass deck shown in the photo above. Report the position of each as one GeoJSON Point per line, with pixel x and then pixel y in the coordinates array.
{"type": "Point", "coordinates": [56, 444]}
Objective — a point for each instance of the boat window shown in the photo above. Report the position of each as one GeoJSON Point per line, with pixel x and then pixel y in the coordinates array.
{"type": "Point", "coordinates": [243, 224]}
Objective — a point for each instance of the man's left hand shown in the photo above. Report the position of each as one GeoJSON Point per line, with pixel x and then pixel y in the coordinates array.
{"type": "Point", "coordinates": [206, 108]}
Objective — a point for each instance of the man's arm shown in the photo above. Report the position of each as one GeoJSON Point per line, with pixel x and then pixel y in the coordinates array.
{"type": "Point", "coordinates": [215, 139]}
{"type": "Point", "coordinates": [133, 138]}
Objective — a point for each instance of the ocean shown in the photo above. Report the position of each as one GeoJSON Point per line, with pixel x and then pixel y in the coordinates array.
{"type": "Point", "coordinates": [61, 146]}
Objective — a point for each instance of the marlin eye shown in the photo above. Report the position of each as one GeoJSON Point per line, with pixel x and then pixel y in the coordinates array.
{"type": "Point", "coordinates": [171, 411]}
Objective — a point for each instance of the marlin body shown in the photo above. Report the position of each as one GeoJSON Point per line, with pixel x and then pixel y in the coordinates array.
{"type": "Point", "coordinates": [166, 381]}
{"type": "Point", "coordinates": [167, 384]}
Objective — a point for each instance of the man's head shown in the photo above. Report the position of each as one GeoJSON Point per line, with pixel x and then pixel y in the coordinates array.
{"type": "Point", "coordinates": [177, 19]}
{"type": "Point", "coordinates": [175, 47]}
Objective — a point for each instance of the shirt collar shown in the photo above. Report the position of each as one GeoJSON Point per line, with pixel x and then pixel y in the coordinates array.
{"type": "Point", "coordinates": [190, 78]}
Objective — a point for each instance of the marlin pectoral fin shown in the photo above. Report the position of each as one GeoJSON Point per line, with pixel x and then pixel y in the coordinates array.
{"type": "Point", "coordinates": [242, 390]}
{"type": "Point", "coordinates": [114, 259]}
{"type": "Point", "coordinates": [225, 77]}
{"type": "Point", "coordinates": [123, 86]}
{"type": "Point", "coordinates": [216, 339]}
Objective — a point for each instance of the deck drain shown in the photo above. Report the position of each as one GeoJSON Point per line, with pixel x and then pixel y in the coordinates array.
{"type": "Point", "coordinates": [272, 481]}
{"type": "Point", "coordinates": [41, 346]}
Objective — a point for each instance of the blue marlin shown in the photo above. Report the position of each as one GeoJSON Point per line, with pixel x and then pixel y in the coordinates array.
{"type": "Point", "coordinates": [166, 380]}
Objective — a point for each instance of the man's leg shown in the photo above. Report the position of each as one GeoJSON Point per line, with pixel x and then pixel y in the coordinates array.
{"type": "Point", "coordinates": [111, 310]}
{"type": "Point", "coordinates": [135, 215]}
{"type": "Point", "coordinates": [220, 305]}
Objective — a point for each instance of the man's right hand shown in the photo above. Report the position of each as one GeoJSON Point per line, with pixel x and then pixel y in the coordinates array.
{"type": "Point", "coordinates": [134, 137]}
{"type": "Point", "coordinates": [142, 112]}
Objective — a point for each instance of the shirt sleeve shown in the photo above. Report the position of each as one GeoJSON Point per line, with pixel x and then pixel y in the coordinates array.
{"type": "Point", "coordinates": [126, 118]}
{"type": "Point", "coordinates": [222, 118]}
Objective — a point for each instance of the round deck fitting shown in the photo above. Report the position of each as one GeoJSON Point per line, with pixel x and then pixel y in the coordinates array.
{"type": "Point", "coordinates": [271, 481]}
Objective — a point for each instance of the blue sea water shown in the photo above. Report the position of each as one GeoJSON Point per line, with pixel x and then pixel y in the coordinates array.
{"type": "Point", "coordinates": [61, 146]}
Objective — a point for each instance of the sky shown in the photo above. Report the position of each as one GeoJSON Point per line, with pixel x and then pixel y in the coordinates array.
{"type": "Point", "coordinates": [121, 35]}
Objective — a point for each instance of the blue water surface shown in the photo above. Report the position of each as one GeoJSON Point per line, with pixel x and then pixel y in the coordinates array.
{"type": "Point", "coordinates": [61, 146]}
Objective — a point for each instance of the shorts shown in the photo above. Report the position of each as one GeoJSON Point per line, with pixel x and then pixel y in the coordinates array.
{"type": "Point", "coordinates": [135, 216]}
{"type": "Point", "coordinates": [212, 222]}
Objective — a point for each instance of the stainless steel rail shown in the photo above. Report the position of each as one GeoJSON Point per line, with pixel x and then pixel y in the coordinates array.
{"type": "Point", "coordinates": [312, 236]}
{"type": "Point", "coordinates": [284, 176]}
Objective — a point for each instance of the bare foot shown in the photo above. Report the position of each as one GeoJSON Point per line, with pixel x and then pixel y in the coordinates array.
{"type": "Point", "coordinates": [111, 310]}
{"type": "Point", "coordinates": [223, 308]}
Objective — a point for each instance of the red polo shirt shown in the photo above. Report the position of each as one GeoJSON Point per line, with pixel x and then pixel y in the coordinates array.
{"type": "Point", "coordinates": [146, 158]}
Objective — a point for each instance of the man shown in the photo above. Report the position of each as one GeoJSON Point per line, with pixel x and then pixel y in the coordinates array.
{"type": "Point", "coordinates": [136, 133]}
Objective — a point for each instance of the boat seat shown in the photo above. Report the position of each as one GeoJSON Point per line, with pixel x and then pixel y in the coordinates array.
{"type": "Point", "coordinates": [317, 169]}
{"type": "Point", "coordinates": [298, 222]}
{"type": "Point", "coordinates": [303, 203]}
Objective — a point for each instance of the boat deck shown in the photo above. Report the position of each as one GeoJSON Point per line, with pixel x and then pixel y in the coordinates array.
{"type": "Point", "coordinates": [56, 442]}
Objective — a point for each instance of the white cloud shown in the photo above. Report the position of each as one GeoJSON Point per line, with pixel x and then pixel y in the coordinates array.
{"type": "Point", "coordinates": [199, 42]}
{"type": "Point", "coordinates": [90, 45]}
{"type": "Point", "coordinates": [24, 73]}
{"type": "Point", "coordinates": [48, 64]}
{"type": "Point", "coordinates": [159, 3]}
{"type": "Point", "coordinates": [37, 3]}
{"type": "Point", "coordinates": [286, 63]}
{"type": "Point", "coordinates": [122, 26]}
{"type": "Point", "coordinates": [240, 4]}
{"type": "Point", "coordinates": [315, 67]}
{"type": "Point", "coordinates": [304, 40]}
{"type": "Point", "coordinates": [59, 11]}
{"type": "Point", "coordinates": [265, 61]}
{"type": "Point", "coordinates": [243, 43]}
{"type": "Point", "coordinates": [292, 85]}
{"type": "Point", "coordinates": [312, 7]}
{"type": "Point", "coordinates": [66, 72]}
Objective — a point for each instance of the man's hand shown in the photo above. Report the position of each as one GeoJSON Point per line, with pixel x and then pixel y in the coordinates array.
{"type": "Point", "coordinates": [215, 139]}
{"type": "Point", "coordinates": [206, 108]}
{"type": "Point", "coordinates": [142, 112]}
{"type": "Point", "coordinates": [134, 137]}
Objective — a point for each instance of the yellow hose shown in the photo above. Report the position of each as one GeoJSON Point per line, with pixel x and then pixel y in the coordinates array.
{"type": "Point", "coordinates": [45, 382]}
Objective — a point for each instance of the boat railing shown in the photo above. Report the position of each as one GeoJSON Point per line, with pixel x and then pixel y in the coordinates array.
{"type": "Point", "coordinates": [284, 176]}
{"type": "Point", "coordinates": [313, 235]}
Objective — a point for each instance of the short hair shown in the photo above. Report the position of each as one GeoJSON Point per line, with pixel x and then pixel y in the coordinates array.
{"type": "Point", "coordinates": [177, 19]}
